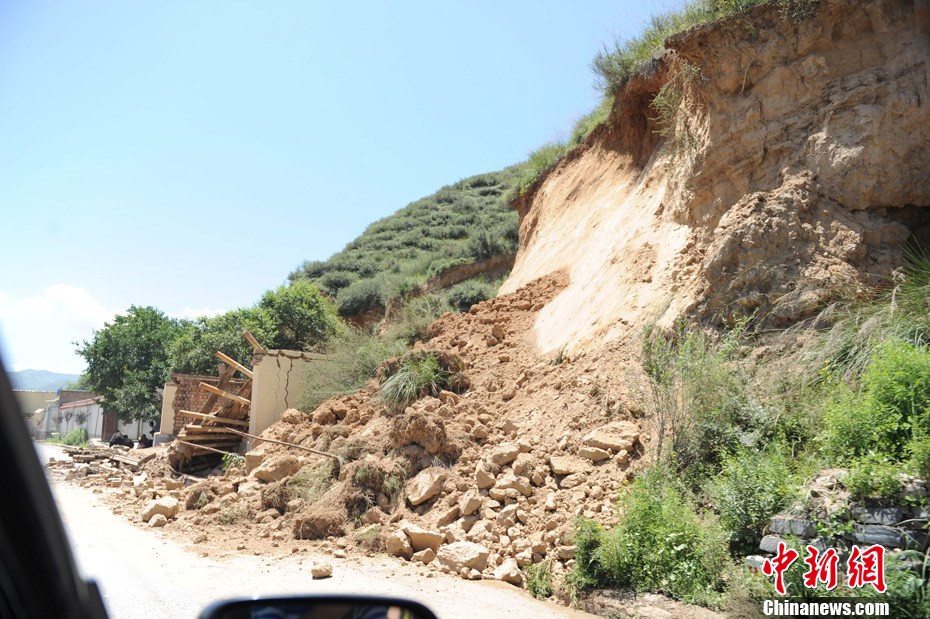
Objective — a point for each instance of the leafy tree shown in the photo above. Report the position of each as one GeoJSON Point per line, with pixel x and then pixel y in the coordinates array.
{"type": "Point", "coordinates": [300, 316]}
{"type": "Point", "coordinates": [193, 350]}
{"type": "Point", "coordinates": [127, 361]}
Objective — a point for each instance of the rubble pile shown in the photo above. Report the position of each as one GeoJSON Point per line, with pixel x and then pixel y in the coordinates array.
{"type": "Point", "coordinates": [480, 484]}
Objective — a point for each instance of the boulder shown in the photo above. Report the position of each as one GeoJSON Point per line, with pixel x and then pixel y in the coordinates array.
{"type": "Point", "coordinates": [569, 465]}
{"type": "Point", "coordinates": [464, 555]}
{"type": "Point", "coordinates": [509, 571]}
{"type": "Point", "coordinates": [503, 454]}
{"type": "Point", "coordinates": [276, 469]}
{"type": "Point", "coordinates": [167, 506]}
{"type": "Point", "coordinates": [398, 545]}
{"type": "Point", "coordinates": [614, 436]}
{"type": "Point", "coordinates": [426, 485]}
{"type": "Point", "coordinates": [421, 538]}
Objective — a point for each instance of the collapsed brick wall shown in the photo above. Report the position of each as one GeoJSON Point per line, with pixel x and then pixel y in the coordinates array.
{"type": "Point", "coordinates": [190, 397]}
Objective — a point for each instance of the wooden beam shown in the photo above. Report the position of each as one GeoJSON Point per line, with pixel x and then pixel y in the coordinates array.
{"type": "Point", "coordinates": [195, 429]}
{"type": "Point", "coordinates": [204, 447]}
{"type": "Point", "coordinates": [216, 418]}
{"type": "Point", "coordinates": [225, 394]}
{"type": "Point", "coordinates": [301, 447]}
{"type": "Point", "coordinates": [233, 363]}
{"type": "Point", "coordinates": [256, 347]}
{"type": "Point", "coordinates": [223, 382]}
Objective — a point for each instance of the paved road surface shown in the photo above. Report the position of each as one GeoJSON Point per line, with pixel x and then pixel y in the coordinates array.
{"type": "Point", "coordinates": [145, 575]}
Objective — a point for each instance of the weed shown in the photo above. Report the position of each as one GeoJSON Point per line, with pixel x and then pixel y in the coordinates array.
{"type": "Point", "coordinates": [560, 357]}
{"type": "Point", "coordinates": [539, 579]}
{"type": "Point", "coordinates": [874, 477]}
{"type": "Point", "coordinates": [414, 376]}
{"type": "Point", "coordinates": [311, 481]}
{"type": "Point", "coordinates": [230, 515]}
{"type": "Point", "coordinates": [661, 544]}
{"type": "Point", "coordinates": [539, 162]}
{"type": "Point", "coordinates": [232, 461]}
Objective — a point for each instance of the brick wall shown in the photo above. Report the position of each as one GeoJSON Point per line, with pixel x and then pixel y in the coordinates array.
{"type": "Point", "coordinates": [190, 397]}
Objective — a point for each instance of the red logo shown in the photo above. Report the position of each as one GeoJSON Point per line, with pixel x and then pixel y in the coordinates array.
{"type": "Point", "coordinates": [866, 567]}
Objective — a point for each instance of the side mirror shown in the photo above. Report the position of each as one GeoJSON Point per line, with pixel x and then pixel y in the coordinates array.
{"type": "Point", "coordinates": [318, 607]}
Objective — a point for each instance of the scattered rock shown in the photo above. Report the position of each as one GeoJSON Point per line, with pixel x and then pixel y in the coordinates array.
{"type": "Point", "coordinates": [484, 475]}
{"type": "Point", "coordinates": [509, 571]}
{"type": "Point", "coordinates": [321, 569]}
{"type": "Point", "coordinates": [425, 485]}
{"type": "Point", "coordinates": [424, 556]}
{"type": "Point", "coordinates": [167, 506]}
{"type": "Point", "coordinates": [158, 520]}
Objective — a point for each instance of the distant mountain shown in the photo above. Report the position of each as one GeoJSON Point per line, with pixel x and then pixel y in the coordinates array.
{"type": "Point", "coordinates": [40, 380]}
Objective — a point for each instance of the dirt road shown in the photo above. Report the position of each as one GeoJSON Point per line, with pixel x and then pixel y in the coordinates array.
{"type": "Point", "coordinates": [142, 574]}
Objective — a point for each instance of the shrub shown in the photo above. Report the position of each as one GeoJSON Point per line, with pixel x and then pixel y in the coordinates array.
{"type": "Point", "coordinates": [311, 481]}
{"type": "Point", "coordinates": [539, 579]}
{"type": "Point", "coordinates": [662, 545]}
{"type": "Point", "coordinates": [359, 297]}
{"type": "Point", "coordinates": [76, 437]}
{"type": "Point", "coordinates": [891, 408]}
{"type": "Point", "coordinates": [334, 281]}
{"type": "Point", "coordinates": [462, 296]}
{"type": "Point", "coordinates": [418, 374]}
{"type": "Point", "coordinates": [698, 396]}
{"type": "Point", "coordinates": [752, 487]}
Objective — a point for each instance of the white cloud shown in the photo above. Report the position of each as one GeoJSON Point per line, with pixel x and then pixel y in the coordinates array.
{"type": "Point", "coordinates": [36, 332]}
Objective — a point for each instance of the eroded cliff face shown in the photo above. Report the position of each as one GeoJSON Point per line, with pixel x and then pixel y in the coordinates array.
{"type": "Point", "coordinates": [798, 161]}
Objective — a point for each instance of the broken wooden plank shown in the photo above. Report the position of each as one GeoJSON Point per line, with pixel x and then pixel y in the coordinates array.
{"type": "Point", "coordinates": [256, 347]}
{"type": "Point", "coordinates": [301, 447]}
{"type": "Point", "coordinates": [235, 364]}
{"type": "Point", "coordinates": [204, 447]}
{"type": "Point", "coordinates": [225, 394]}
{"type": "Point", "coordinates": [225, 377]}
{"type": "Point", "coordinates": [216, 418]}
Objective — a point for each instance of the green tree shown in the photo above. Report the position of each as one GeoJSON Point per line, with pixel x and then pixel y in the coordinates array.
{"type": "Point", "coordinates": [193, 350]}
{"type": "Point", "coordinates": [300, 316]}
{"type": "Point", "coordinates": [127, 361]}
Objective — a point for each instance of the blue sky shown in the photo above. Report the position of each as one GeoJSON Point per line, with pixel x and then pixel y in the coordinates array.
{"type": "Point", "coordinates": [189, 155]}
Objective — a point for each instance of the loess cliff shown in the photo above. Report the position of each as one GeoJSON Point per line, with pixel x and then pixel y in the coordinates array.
{"type": "Point", "coordinates": [794, 162]}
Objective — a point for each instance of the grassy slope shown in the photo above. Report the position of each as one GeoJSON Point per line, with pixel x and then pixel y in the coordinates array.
{"type": "Point", "coordinates": [461, 223]}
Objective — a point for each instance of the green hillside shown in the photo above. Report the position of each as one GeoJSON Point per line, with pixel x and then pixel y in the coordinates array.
{"type": "Point", "coordinates": [462, 223]}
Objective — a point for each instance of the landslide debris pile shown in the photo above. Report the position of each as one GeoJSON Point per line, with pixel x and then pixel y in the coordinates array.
{"type": "Point", "coordinates": [481, 483]}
